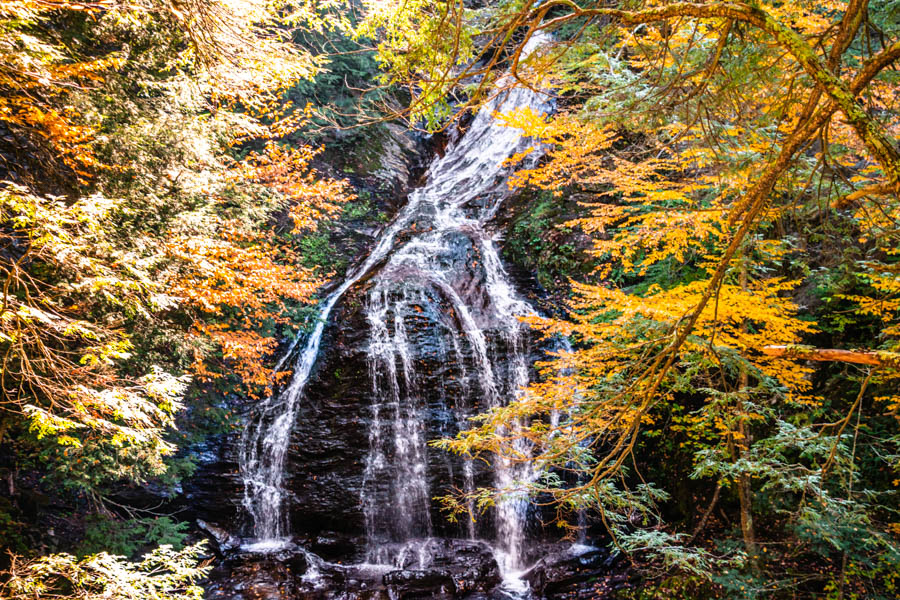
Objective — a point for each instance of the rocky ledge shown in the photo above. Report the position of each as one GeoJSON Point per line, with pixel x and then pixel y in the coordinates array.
{"type": "Point", "coordinates": [432, 568]}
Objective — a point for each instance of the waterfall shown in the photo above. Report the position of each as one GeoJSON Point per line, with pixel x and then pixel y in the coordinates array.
{"type": "Point", "coordinates": [265, 440]}
{"type": "Point", "coordinates": [446, 266]}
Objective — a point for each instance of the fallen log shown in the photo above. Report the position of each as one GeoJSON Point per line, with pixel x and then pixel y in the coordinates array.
{"type": "Point", "coordinates": [874, 358]}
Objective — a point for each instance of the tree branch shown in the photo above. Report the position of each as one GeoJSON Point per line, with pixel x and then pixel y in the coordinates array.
{"type": "Point", "coordinates": [842, 94]}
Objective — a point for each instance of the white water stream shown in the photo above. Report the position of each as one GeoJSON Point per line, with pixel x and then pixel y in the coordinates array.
{"type": "Point", "coordinates": [450, 212]}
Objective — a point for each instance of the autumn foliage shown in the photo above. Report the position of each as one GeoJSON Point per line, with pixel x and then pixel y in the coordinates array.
{"type": "Point", "coordinates": [241, 283]}
{"type": "Point", "coordinates": [147, 252]}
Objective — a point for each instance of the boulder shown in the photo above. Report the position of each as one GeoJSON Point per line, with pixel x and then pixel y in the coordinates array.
{"type": "Point", "coordinates": [429, 583]}
{"type": "Point", "coordinates": [223, 539]}
{"type": "Point", "coordinates": [257, 576]}
{"type": "Point", "coordinates": [574, 572]}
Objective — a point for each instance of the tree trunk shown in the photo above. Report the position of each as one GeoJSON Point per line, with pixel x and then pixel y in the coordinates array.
{"type": "Point", "coordinates": [745, 490]}
{"type": "Point", "coordinates": [745, 495]}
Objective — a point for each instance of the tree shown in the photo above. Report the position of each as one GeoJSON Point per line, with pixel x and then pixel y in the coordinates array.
{"type": "Point", "coordinates": [162, 574]}
{"type": "Point", "coordinates": [84, 275]}
{"type": "Point", "coordinates": [239, 282]}
{"type": "Point", "coordinates": [238, 46]}
{"type": "Point", "coordinates": [143, 247]}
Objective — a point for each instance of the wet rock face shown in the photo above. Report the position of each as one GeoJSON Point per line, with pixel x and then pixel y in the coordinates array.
{"type": "Point", "coordinates": [331, 474]}
{"type": "Point", "coordinates": [430, 569]}
{"type": "Point", "coordinates": [331, 440]}
{"type": "Point", "coordinates": [399, 153]}
{"type": "Point", "coordinates": [452, 567]}
{"type": "Point", "coordinates": [471, 564]}
{"type": "Point", "coordinates": [432, 583]}
{"type": "Point", "coordinates": [223, 539]}
{"type": "Point", "coordinates": [213, 493]}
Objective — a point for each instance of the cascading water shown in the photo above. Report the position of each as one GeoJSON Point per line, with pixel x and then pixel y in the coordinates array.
{"type": "Point", "coordinates": [445, 235]}
{"type": "Point", "coordinates": [395, 418]}
{"type": "Point", "coordinates": [464, 192]}
{"type": "Point", "coordinates": [265, 440]}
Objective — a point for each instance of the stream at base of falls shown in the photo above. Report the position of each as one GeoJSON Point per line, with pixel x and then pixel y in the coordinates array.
{"type": "Point", "coordinates": [433, 338]}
